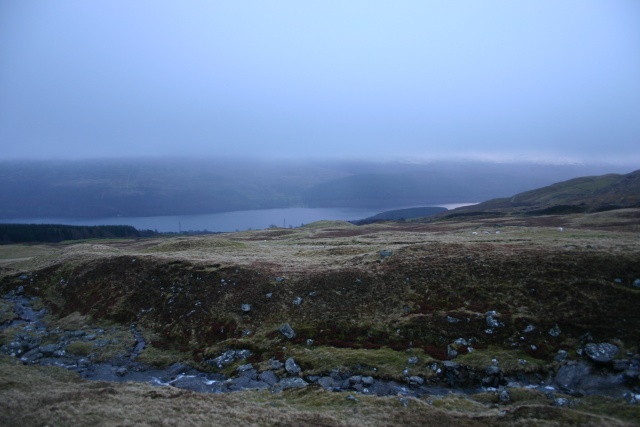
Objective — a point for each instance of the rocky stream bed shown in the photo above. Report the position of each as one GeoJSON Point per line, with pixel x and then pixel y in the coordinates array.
{"type": "Point", "coordinates": [31, 339]}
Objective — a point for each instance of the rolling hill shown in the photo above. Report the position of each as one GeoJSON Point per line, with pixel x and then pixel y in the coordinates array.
{"type": "Point", "coordinates": [585, 194]}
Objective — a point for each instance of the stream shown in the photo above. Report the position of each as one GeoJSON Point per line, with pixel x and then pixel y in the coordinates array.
{"type": "Point", "coordinates": [34, 342]}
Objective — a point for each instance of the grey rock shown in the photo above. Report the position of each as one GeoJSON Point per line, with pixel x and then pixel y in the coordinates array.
{"type": "Point", "coordinates": [48, 350]}
{"type": "Point", "coordinates": [385, 253]}
{"type": "Point", "coordinates": [269, 295]}
{"type": "Point", "coordinates": [122, 371]}
{"type": "Point", "coordinates": [245, 308]}
{"type": "Point", "coordinates": [492, 322]}
{"type": "Point", "coordinates": [416, 380]}
{"type": "Point", "coordinates": [31, 357]}
{"type": "Point", "coordinates": [452, 319]}
{"type": "Point", "coordinates": [243, 368]}
{"type": "Point", "coordinates": [492, 370]}
{"type": "Point", "coordinates": [252, 374]}
{"type": "Point", "coordinates": [529, 328]}
{"type": "Point", "coordinates": [504, 396]}
{"type": "Point", "coordinates": [310, 341]}
{"type": "Point", "coordinates": [636, 283]}
{"type": "Point", "coordinates": [358, 387]}
{"type": "Point", "coordinates": [228, 357]}
{"type": "Point", "coordinates": [293, 382]}
{"type": "Point", "coordinates": [276, 364]}
{"type": "Point", "coordinates": [352, 398]}
{"type": "Point", "coordinates": [355, 379]}
{"type": "Point", "coordinates": [569, 376]}
{"type": "Point", "coordinates": [269, 377]}
{"type": "Point", "coordinates": [368, 381]}
{"type": "Point", "coordinates": [291, 367]}
{"type": "Point", "coordinates": [280, 279]}
{"type": "Point", "coordinates": [632, 374]}
{"type": "Point", "coordinates": [297, 301]}
{"type": "Point", "coordinates": [449, 365]}
{"type": "Point", "coordinates": [451, 352]}
{"type": "Point", "coordinates": [601, 352]}
{"type": "Point", "coordinates": [412, 360]}
{"type": "Point", "coordinates": [329, 383]}
{"type": "Point", "coordinates": [176, 369]}
{"type": "Point", "coordinates": [560, 401]}
{"type": "Point", "coordinates": [621, 364]}
{"type": "Point", "coordinates": [561, 356]}
{"type": "Point", "coordinates": [404, 401]}
{"type": "Point", "coordinates": [287, 331]}
{"type": "Point", "coordinates": [555, 331]}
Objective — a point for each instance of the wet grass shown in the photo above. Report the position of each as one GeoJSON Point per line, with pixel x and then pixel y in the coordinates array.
{"type": "Point", "coordinates": [365, 314]}
{"type": "Point", "coordinates": [52, 396]}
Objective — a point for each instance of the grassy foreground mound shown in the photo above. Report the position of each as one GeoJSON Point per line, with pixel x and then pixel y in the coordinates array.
{"type": "Point", "coordinates": [52, 396]}
{"type": "Point", "coordinates": [362, 299]}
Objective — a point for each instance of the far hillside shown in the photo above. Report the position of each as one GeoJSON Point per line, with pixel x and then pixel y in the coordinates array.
{"type": "Point", "coordinates": [102, 188]}
{"type": "Point", "coordinates": [585, 194]}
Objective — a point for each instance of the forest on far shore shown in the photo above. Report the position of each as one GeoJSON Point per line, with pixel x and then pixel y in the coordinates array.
{"type": "Point", "coordinates": [55, 233]}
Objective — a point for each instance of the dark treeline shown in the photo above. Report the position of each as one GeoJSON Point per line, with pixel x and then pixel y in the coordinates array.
{"type": "Point", "coordinates": [54, 233]}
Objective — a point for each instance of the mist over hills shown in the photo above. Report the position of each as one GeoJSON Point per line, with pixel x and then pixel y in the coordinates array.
{"type": "Point", "coordinates": [162, 186]}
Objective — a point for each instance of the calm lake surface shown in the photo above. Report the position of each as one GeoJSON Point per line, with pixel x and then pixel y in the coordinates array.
{"type": "Point", "coordinates": [226, 221]}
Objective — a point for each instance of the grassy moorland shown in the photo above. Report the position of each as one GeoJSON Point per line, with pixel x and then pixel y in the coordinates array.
{"type": "Point", "coordinates": [366, 312]}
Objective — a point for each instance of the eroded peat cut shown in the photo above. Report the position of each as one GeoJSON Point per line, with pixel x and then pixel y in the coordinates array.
{"type": "Point", "coordinates": [417, 309]}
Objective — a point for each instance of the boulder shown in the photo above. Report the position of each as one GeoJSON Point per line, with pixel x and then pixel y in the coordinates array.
{"type": "Point", "coordinates": [601, 352]}
{"type": "Point", "coordinates": [291, 367]}
{"type": "Point", "coordinates": [48, 350]}
{"type": "Point", "coordinates": [555, 331]}
{"type": "Point", "coordinates": [416, 380]}
{"type": "Point", "coordinates": [367, 381]}
{"type": "Point", "coordinates": [287, 331]}
{"type": "Point", "coordinates": [269, 377]}
{"type": "Point", "coordinates": [492, 322]}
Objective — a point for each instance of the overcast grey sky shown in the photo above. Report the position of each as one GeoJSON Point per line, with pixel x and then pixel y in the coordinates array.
{"type": "Point", "coordinates": [542, 79]}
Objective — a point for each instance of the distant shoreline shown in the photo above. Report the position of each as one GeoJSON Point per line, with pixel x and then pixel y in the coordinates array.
{"type": "Point", "coordinates": [224, 221]}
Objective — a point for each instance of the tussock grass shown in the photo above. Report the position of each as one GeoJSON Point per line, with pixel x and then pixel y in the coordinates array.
{"type": "Point", "coordinates": [32, 395]}
{"type": "Point", "coordinates": [510, 361]}
{"type": "Point", "coordinates": [181, 244]}
{"type": "Point", "coordinates": [382, 363]}
{"type": "Point", "coordinates": [363, 312]}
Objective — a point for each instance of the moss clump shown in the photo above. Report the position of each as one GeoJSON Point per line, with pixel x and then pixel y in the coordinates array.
{"type": "Point", "coordinates": [510, 361]}
{"type": "Point", "coordinates": [382, 363]}
{"type": "Point", "coordinates": [81, 348]}
{"type": "Point", "coordinates": [161, 358]}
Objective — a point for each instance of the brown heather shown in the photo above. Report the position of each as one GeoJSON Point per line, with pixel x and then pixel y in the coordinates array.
{"type": "Point", "coordinates": [361, 310]}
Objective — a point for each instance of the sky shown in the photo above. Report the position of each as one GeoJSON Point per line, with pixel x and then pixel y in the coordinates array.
{"type": "Point", "coordinates": [541, 80]}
